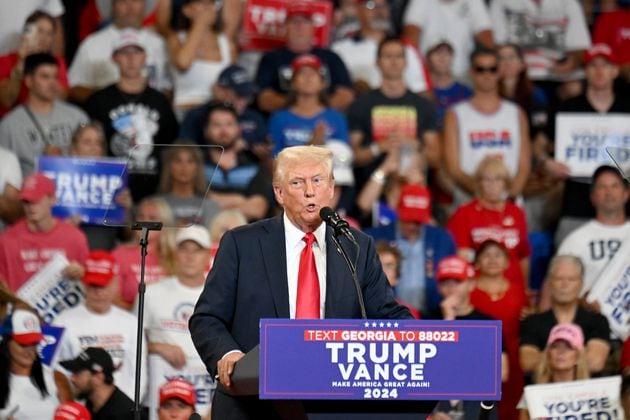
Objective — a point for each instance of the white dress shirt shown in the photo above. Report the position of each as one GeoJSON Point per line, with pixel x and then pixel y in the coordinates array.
{"type": "Point", "coordinates": [294, 246]}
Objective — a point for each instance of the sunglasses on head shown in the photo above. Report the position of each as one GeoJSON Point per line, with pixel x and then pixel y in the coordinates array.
{"type": "Point", "coordinates": [482, 69]}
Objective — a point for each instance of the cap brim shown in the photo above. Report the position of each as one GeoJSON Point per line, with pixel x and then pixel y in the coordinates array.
{"type": "Point", "coordinates": [28, 339]}
{"type": "Point", "coordinates": [31, 197]}
{"type": "Point", "coordinates": [97, 279]}
{"type": "Point", "coordinates": [73, 365]}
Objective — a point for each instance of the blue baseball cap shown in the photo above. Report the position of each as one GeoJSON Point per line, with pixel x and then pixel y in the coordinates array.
{"type": "Point", "coordinates": [236, 77]}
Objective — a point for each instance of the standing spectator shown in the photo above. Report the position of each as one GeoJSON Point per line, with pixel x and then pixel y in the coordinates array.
{"type": "Point", "coordinates": [39, 35]}
{"type": "Point", "coordinates": [359, 51]}
{"type": "Point", "coordinates": [10, 184]}
{"type": "Point", "coordinates": [225, 220]}
{"type": "Point", "coordinates": [391, 119]}
{"type": "Point", "coordinates": [170, 303]}
{"type": "Point", "coordinates": [183, 186]}
{"type": "Point", "coordinates": [463, 23]}
{"type": "Point", "coordinates": [307, 119]}
{"type": "Point", "coordinates": [504, 300]}
{"type": "Point", "coordinates": [565, 282]}
{"type": "Point", "coordinates": [43, 124]}
{"type": "Point", "coordinates": [29, 244]}
{"type": "Point", "coordinates": [625, 358]}
{"type": "Point", "coordinates": [235, 86]}
{"type": "Point", "coordinates": [274, 70]}
{"type": "Point", "coordinates": [135, 116]}
{"type": "Point", "coordinates": [492, 216]}
{"type": "Point", "coordinates": [28, 389]}
{"type": "Point", "coordinates": [98, 323]}
{"type": "Point", "coordinates": [612, 28]}
{"type": "Point", "coordinates": [391, 260]}
{"type": "Point", "coordinates": [422, 246]}
{"type": "Point", "coordinates": [93, 379]}
{"type": "Point", "coordinates": [237, 179]}
{"type": "Point", "coordinates": [597, 241]}
{"type": "Point", "coordinates": [168, 12]}
{"type": "Point", "coordinates": [485, 125]}
{"type": "Point", "coordinates": [600, 98]}
{"type": "Point", "coordinates": [446, 89]}
{"type": "Point", "coordinates": [177, 400]}
{"type": "Point", "coordinates": [553, 35]}
{"type": "Point", "coordinates": [93, 68]}
{"type": "Point", "coordinates": [11, 22]}
{"type": "Point", "coordinates": [199, 52]}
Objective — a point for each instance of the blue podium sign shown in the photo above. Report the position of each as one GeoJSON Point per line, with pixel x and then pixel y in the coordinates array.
{"type": "Point", "coordinates": [86, 187]}
{"type": "Point", "coordinates": [380, 359]}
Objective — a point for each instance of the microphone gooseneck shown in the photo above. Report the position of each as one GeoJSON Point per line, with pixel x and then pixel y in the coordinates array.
{"type": "Point", "coordinates": [338, 224]}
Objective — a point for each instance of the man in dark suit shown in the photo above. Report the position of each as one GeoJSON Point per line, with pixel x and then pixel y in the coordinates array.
{"type": "Point", "coordinates": [256, 274]}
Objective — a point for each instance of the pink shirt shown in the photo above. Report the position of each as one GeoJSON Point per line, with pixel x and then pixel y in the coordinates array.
{"type": "Point", "coordinates": [24, 252]}
{"type": "Point", "coordinates": [128, 259]}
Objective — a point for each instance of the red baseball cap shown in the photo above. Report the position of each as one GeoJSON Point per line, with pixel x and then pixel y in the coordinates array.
{"type": "Point", "coordinates": [306, 60]}
{"type": "Point", "coordinates": [454, 268]}
{"type": "Point", "coordinates": [72, 411]}
{"type": "Point", "coordinates": [23, 326]}
{"type": "Point", "coordinates": [100, 268]}
{"type": "Point", "coordinates": [414, 204]}
{"type": "Point", "coordinates": [300, 8]}
{"type": "Point", "coordinates": [36, 186]}
{"type": "Point", "coordinates": [599, 50]}
{"type": "Point", "coordinates": [178, 388]}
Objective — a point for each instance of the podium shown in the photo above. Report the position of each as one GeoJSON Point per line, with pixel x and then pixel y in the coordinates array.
{"type": "Point", "coordinates": [358, 369]}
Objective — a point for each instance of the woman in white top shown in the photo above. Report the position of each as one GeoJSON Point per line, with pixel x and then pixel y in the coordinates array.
{"type": "Point", "coordinates": [198, 54]}
{"type": "Point", "coordinates": [28, 390]}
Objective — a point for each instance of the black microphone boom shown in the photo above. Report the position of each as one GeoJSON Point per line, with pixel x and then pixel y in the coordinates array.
{"type": "Point", "coordinates": [339, 225]}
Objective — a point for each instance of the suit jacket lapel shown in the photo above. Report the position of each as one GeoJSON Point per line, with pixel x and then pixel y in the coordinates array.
{"type": "Point", "coordinates": [336, 274]}
{"type": "Point", "coordinates": [274, 254]}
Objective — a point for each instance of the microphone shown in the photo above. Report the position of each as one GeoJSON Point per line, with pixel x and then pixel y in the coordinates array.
{"type": "Point", "coordinates": [485, 408]}
{"type": "Point", "coordinates": [194, 416]}
{"type": "Point", "coordinates": [339, 225]}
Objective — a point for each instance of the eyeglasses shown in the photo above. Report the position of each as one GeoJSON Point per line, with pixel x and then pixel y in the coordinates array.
{"type": "Point", "coordinates": [371, 5]}
{"type": "Point", "coordinates": [482, 69]}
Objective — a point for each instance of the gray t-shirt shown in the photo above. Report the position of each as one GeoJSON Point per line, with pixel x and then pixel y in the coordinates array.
{"type": "Point", "coordinates": [186, 210]}
{"type": "Point", "coordinates": [20, 134]}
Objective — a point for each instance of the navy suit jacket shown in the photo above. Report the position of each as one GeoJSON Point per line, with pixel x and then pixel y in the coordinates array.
{"type": "Point", "coordinates": [248, 281]}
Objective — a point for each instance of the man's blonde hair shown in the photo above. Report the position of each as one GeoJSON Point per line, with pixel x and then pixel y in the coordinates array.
{"type": "Point", "coordinates": [301, 155]}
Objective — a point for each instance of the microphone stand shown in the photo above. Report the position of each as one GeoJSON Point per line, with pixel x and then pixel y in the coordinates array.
{"type": "Point", "coordinates": [353, 271]}
{"type": "Point", "coordinates": [145, 228]}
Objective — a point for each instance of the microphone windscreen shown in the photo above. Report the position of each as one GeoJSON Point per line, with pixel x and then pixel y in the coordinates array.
{"type": "Point", "coordinates": [326, 213]}
{"type": "Point", "coordinates": [194, 416]}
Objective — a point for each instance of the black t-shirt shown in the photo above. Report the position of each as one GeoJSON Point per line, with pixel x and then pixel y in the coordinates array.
{"type": "Point", "coordinates": [274, 71]}
{"type": "Point", "coordinates": [576, 201]}
{"type": "Point", "coordinates": [535, 328]}
{"type": "Point", "coordinates": [119, 406]}
{"type": "Point", "coordinates": [143, 119]}
{"type": "Point", "coordinates": [374, 115]}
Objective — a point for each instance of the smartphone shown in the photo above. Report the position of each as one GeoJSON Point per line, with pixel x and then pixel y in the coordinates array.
{"type": "Point", "coordinates": [31, 35]}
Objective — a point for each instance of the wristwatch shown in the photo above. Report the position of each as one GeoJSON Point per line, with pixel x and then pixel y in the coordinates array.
{"type": "Point", "coordinates": [378, 176]}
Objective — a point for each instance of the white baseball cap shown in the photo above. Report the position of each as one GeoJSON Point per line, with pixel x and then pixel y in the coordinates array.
{"type": "Point", "coordinates": [195, 233]}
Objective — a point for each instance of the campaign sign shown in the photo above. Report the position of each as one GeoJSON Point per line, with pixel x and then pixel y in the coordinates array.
{"type": "Point", "coordinates": [582, 139]}
{"type": "Point", "coordinates": [86, 187]}
{"type": "Point", "coordinates": [263, 24]}
{"type": "Point", "coordinates": [48, 346]}
{"type": "Point", "coordinates": [380, 359]}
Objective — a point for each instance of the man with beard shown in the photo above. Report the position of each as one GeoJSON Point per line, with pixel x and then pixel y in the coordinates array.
{"type": "Point", "coordinates": [93, 380]}
{"type": "Point", "coordinates": [237, 179]}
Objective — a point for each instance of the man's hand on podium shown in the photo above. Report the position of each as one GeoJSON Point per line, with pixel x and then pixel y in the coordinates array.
{"type": "Point", "coordinates": [225, 366]}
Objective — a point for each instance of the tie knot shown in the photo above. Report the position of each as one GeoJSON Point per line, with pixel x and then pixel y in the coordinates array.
{"type": "Point", "coordinates": [309, 238]}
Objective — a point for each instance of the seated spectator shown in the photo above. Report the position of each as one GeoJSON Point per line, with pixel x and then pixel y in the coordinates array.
{"type": "Point", "coordinates": [199, 52]}
{"type": "Point", "coordinates": [611, 28]}
{"type": "Point", "coordinates": [27, 245]}
{"type": "Point", "coordinates": [421, 246]}
{"type": "Point", "coordinates": [183, 185]}
{"type": "Point", "coordinates": [307, 119]}
{"type": "Point", "coordinates": [28, 389]}
{"type": "Point", "coordinates": [447, 91]}
{"type": "Point", "coordinates": [391, 259]}
{"type": "Point", "coordinates": [391, 119]}
{"type": "Point", "coordinates": [93, 68]}
{"type": "Point", "coordinates": [358, 52]}
{"type": "Point", "coordinates": [274, 70]}
{"type": "Point", "coordinates": [46, 122]}
{"type": "Point", "coordinates": [10, 184]}
{"type": "Point", "coordinates": [93, 379]}
{"type": "Point", "coordinates": [128, 257]}
{"type": "Point", "coordinates": [237, 179]}
{"type": "Point", "coordinates": [485, 125]}
{"type": "Point", "coordinates": [465, 23]}
{"type": "Point", "coordinates": [224, 221]}
{"type": "Point", "coordinates": [493, 216]}
{"type": "Point", "coordinates": [135, 116]}
{"type": "Point", "coordinates": [565, 278]}
{"type": "Point", "coordinates": [72, 411]}
{"type": "Point", "coordinates": [563, 360]}
{"type": "Point", "coordinates": [98, 323]}
{"type": "Point", "coordinates": [39, 36]}
{"type": "Point", "coordinates": [506, 301]}
{"type": "Point", "coordinates": [177, 400]}
{"type": "Point", "coordinates": [236, 87]}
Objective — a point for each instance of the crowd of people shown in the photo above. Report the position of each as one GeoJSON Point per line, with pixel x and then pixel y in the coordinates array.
{"type": "Point", "coordinates": [441, 119]}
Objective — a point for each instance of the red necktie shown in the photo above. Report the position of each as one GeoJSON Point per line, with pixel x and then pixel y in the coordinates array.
{"type": "Point", "coordinates": [307, 305]}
